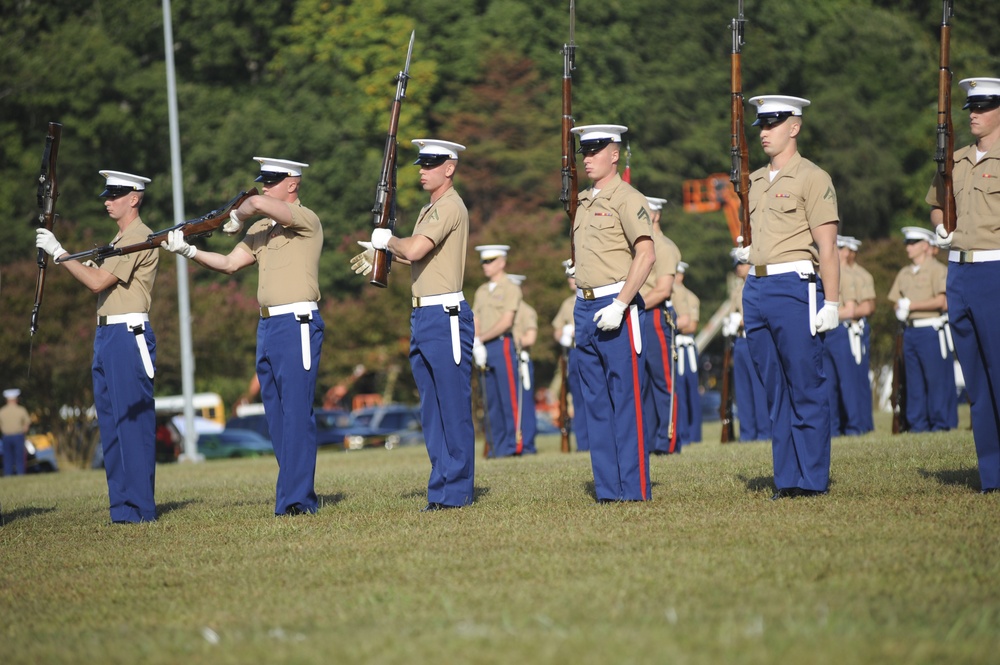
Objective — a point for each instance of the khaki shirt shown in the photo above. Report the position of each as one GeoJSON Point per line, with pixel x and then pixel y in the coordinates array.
{"type": "Point", "coordinates": [783, 212]}
{"type": "Point", "coordinates": [736, 284]}
{"type": "Point", "coordinates": [14, 419]}
{"type": "Point", "coordinates": [489, 305]}
{"type": "Point", "coordinates": [287, 257]}
{"type": "Point", "coordinates": [849, 284]}
{"type": "Point", "coordinates": [866, 283]}
{"type": "Point", "coordinates": [685, 302]}
{"type": "Point", "coordinates": [136, 274]}
{"type": "Point", "coordinates": [977, 199]}
{"type": "Point", "coordinates": [668, 255]}
{"type": "Point", "coordinates": [920, 283]}
{"type": "Point", "coordinates": [605, 231]}
{"type": "Point", "coordinates": [564, 317]}
{"type": "Point", "coordinates": [446, 223]}
{"type": "Point", "coordinates": [525, 319]}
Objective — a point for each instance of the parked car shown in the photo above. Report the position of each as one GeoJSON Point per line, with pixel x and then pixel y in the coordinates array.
{"type": "Point", "coordinates": [255, 423]}
{"type": "Point", "coordinates": [374, 425]}
{"type": "Point", "coordinates": [234, 443]}
{"type": "Point", "coordinates": [332, 425]}
{"type": "Point", "coordinates": [40, 449]}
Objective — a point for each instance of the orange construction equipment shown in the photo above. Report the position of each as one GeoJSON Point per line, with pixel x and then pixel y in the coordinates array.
{"type": "Point", "coordinates": [714, 193]}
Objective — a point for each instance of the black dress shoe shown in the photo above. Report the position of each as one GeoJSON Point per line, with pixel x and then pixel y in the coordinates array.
{"type": "Point", "coordinates": [989, 490]}
{"type": "Point", "coordinates": [431, 507]}
{"type": "Point", "coordinates": [296, 510]}
{"type": "Point", "coordinates": [813, 492]}
{"type": "Point", "coordinates": [786, 493]}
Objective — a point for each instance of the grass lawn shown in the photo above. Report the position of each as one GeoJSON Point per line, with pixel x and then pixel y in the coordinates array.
{"type": "Point", "coordinates": [899, 563]}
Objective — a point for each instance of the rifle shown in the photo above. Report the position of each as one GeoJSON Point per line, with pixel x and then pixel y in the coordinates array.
{"type": "Point", "coordinates": [384, 209]}
{"type": "Point", "coordinates": [726, 405]}
{"type": "Point", "coordinates": [740, 152]}
{"type": "Point", "coordinates": [487, 434]}
{"type": "Point", "coordinates": [48, 192]}
{"type": "Point", "coordinates": [564, 401]}
{"type": "Point", "coordinates": [570, 186]}
{"type": "Point", "coordinates": [899, 423]}
{"type": "Point", "coordinates": [944, 155]}
{"type": "Point", "coordinates": [200, 227]}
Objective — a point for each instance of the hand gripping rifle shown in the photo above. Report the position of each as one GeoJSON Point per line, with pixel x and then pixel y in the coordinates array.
{"type": "Point", "coordinates": [48, 192]}
{"type": "Point", "coordinates": [384, 209]}
{"type": "Point", "coordinates": [740, 152]}
{"type": "Point", "coordinates": [944, 155]}
{"type": "Point", "coordinates": [201, 227]}
{"type": "Point", "coordinates": [570, 185]}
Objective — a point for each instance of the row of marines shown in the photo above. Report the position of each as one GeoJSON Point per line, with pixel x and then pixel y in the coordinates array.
{"type": "Point", "coordinates": [791, 300]}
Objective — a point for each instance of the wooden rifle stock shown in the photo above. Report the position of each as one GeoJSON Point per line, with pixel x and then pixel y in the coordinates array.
{"type": "Point", "coordinates": [739, 174]}
{"type": "Point", "coordinates": [944, 155]}
{"type": "Point", "coordinates": [899, 423]}
{"type": "Point", "coordinates": [570, 182]}
{"type": "Point", "coordinates": [384, 209]}
{"type": "Point", "coordinates": [564, 401]}
{"type": "Point", "coordinates": [48, 192]}
{"type": "Point", "coordinates": [200, 227]}
{"type": "Point", "coordinates": [726, 404]}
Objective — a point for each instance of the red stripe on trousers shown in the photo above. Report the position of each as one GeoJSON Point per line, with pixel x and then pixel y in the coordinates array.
{"type": "Point", "coordinates": [507, 343]}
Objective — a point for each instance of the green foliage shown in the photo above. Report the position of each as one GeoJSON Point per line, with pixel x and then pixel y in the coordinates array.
{"type": "Point", "coordinates": [313, 80]}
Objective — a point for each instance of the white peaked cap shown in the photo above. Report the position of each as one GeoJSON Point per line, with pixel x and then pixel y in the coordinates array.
{"type": "Point", "coordinates": [980, 90]}
{"type": "Point", "coordinates": [286, 166]}
{"type": "Point", "coordinates": [918, 233]}
{"type": "Point", "coordinates": [603, 133]}
{"type": "Point", "coordinates": [655, 203]}
{"type": "Point", "coordinates": [492, 251]}
{"type": "Point", "coordinates": [776, 106]}
{"type": "Point", "coordinates": [127, 180]}
{"type": "Point", "coordinates": [11, 393]}
{"type": "Point", "coordinates": [429, 147]}
{"type": "Point", "coordinates": [517, 279]}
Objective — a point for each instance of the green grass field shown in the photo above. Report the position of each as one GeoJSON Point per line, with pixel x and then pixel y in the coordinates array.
{"type": "Point", "coordinates": [898, 564]}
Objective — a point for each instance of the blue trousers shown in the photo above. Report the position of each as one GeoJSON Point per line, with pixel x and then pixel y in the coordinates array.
{"type": "Point", "coordinates": [842, 383]}
{"type": "Point", "coordinates": [445, 401]}
{"type": "Point", "coordinates": [975, 326]}
{"type": "Point", "coordinates": [866, 419]}
{"type": "Point", "coordinates": [288, 391]}
{"type": "Point", "coordinates": [123, 398]}
{"type": "Point", "coordinates": [13, 455]}
{"type": "Point", "coordinates": [529, 418]}
{"type": "Point", "coordinates": [688, 398]}
{"type": "Point", "coordinates": [658, 406]}
{"type": "Point", "coordinates": [612, 375]}
{"type": "Point", "coordinates": [789, 362]}
{"type": "Point", "coordinates": [931, 396]}
{"type": "Point", "coordinates": [502, 386]}
{"type": "Point", "coordinates": [751, 400]}
{"type": "Point", "coordinates": [579, 403]}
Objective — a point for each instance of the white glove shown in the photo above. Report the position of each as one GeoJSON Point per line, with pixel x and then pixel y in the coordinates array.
{"type": "Point", "coordinates": [175, 243]}
{"type": "Point", "coordinates": [45, 240]}
{"type": "Point", "coordinates": [610, 317]}
{"type": "Point", "coordinates": [903, 309]}
{"type": "Point", "coordinates": [380, 238]}
{"type": "Point", "coordinates": [478, 353]}
{"type": "Point", "coordinates": [828, 317]}
{"type": "Point", "coordinates": [363, 262]}
{"type": "Point", "coordinates": [568, 331]}
{"type": "Point", "coordinates": [569, 267]}
{"type": "Point", "coordinates": [943, 239]}
{"type": "Point", "coordinates": [742, 253]}
{"type": "Point", "coordinates": [525, 374]}
{"type": "Point", "coordinates": [234, 224]}
{"type": "Point", "coordinates": [731, 324]}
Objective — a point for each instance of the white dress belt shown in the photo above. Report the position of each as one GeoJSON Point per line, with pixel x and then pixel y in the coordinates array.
{"type": "Point", "coordinates": [931, 322]}
{"type": "Point", "coordinates": [131, 319]}
{"type": "Point", "coordinates": [801, 267]}
{"type": "Point", "coordinates": [981, 256]}
{"type": "Point", "coordinates": [444, 299]}
{"type": "Point", "coordinates": [600, 291]}
{"type": "Point", "coordinates": [292, 308]}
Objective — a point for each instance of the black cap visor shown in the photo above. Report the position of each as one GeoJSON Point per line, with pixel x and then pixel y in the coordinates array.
{"type": "Point", "coordinates": [115, 191]}
{"type": "Point", "coordinates": [594, 146]}
{"type": "Point", "coordinates": [982, 102]}
{"type": "Point", "coordinates": [270, 177]}
{"type": "Point", "coordinates": [431, 160]}
{"type": "Point", "coordinates": [772, 119]}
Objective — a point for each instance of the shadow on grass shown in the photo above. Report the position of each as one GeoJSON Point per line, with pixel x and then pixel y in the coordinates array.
{"type": "Point", "coordinates": [478, 492]}
{"type": "Point", "coordinates": [960, 477]}
{"type": "Point", "coordinates": [330, 500]}
{"type": "Point", "coordinates": [7, 517]}
{"type": "Point", "coordinates": [170, 506]}
{"type": "Point", "coordinates": [758, 483]}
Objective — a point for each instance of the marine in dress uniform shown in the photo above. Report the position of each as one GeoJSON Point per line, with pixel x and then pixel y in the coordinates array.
{"type": "Point", "coordinates": [919, 296]}
{"type": "Point", "coordinates": [494, 350]}
{"type": "Point", "coordinates": [285, 244]}
{"type": "Point", "coordinates": [124, 350]}
{"type": "Point", "coordinates": [564, 332]}
{"type": "Point", "coordinates": [688, 308]}
{"type": "Point", "coordinates": [613, 246]}
{"type": "Point", "coordinates": [14, 424]}
{"type": "Point", "coordinates": [974, 269]}
{"type": "Point", "coordinates": [841, 354]}
{"type": "Point", "coordinates": [860, 417]}
{"type": "Point", "coordinates": [748, 391]}
{"type": "Point", "coordinates": [441, 324]}
{"type": "Point", "coordinates": [786, 309]}
{"type": "Point", "coordinates": [658, 395]}
{"type": "Point", "coordinates": [525, 335]}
